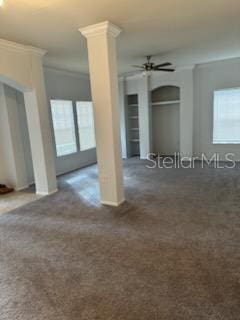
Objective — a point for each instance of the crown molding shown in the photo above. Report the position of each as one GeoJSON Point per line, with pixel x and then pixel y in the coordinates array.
{"type": "Point", "coordinates": [69, 73]}
{"type": "Point", "coordinates": [17, 47]}
{"type": "Point", "coordinates": [217, 62]}
{"type": "Point", "coordinates": [37, 51]}
{"type": "Point", "coordinates": [102, 28]}
{"type": "Point", "coordinates": [186, 67]}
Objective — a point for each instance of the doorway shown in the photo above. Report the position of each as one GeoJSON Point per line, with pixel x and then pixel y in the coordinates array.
{"type": "Point", "coordinates": [16, 169]}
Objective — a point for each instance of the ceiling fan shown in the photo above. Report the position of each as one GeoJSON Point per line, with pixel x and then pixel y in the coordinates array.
{"type": "Point", "coordinates": [150, 66]}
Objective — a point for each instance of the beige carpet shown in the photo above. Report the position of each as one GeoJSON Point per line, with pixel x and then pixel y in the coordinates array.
{"type": "Point", "coordinates": [16, 199]}
{"type": "Point", "coordinates": [171, 252]}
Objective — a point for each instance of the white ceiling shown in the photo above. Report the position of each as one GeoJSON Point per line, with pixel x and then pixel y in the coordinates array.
{"type": "Point", "coordinates": [182, 31]}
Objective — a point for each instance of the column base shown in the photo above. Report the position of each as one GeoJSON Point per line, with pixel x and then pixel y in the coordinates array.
{"type": "Point", "coordinates": [46, 193]}
{"type": "Point", "coordinates": [112, 203]}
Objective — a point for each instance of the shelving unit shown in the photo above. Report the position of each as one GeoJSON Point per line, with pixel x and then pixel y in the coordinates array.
{"type": "Point", "coordinates": [164, 103]}
{"type": "Point", "coordinates": [133, 125]}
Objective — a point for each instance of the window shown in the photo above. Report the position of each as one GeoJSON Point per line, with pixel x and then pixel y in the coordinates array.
{"type": "Point", "coordinates": [86, 125]}
{"type": "Point", "coordinates": [64, 128]}
{"type": "Point", "coordinates": [226, 118]}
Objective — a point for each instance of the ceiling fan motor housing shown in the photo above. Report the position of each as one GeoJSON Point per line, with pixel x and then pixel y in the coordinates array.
{"type": "Point", "coordinates": [149, 66]}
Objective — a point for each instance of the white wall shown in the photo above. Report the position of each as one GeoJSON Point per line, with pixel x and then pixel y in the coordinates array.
{"type": "Point", "coordinates": [15, 69]}
{"type": "Point", "coordinates": [25, 136]}
{"type": "Point", "coordinates": [144, 116]}
{"type": "Point", "coordinates": [207, 78]}
{"type": "Point", "coordinates": [75, 87]}
{"type": "Point", "coordinates": [7, 163]}
{"type": "Point", "coordinates": [132, 85]}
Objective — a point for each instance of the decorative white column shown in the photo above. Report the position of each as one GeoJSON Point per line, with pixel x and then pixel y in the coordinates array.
{"type": "Point", "coordinates": [104, 85]}
{"type": "Point", "coordinates": [144, 114]}
{"type": "Point", "coordinates": [39, 128]}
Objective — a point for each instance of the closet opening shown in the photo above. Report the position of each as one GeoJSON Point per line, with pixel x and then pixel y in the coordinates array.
{"type": "Point", "coordinates": [166, 120]}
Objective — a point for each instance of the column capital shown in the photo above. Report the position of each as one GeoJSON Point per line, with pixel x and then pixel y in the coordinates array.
{"type": "Point", "coordinates": [102, 28]}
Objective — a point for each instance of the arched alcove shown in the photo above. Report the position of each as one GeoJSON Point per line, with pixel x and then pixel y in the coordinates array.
{"type": "Point", "coordinates": [166, 93]}
{"type": "Point", "coordinates": [166, 120]}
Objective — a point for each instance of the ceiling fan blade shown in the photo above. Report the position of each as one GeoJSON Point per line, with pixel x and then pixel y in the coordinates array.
{"type": "Point", "coordinates": [163, 69]}
{"type": "Point", "coordinates": [163, 65]}
{"type": "Point", "coordinates": [134, 66]}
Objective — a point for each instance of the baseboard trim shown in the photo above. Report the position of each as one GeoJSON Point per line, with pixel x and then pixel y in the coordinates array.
{"type": "Point", "coordinates": [22, 188]}
{"type": "Point", "coordinates": [112, 203]}
{"type": "Point", "coordinates": [47, 193]}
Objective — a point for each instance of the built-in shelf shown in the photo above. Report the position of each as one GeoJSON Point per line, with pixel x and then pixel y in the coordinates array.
{"type": "Point", "coordinates": [162, 103]}
{"type": "Point", "coordinates": [134, 140]}
{"type": "Point", "coordinates": [133, 125]}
